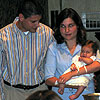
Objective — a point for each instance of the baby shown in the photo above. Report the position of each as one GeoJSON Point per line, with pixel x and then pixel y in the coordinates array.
{"type": "Point", "coordinates": [87, 56]}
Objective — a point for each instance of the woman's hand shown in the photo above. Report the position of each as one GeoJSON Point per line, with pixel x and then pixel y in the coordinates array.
{"type": "Point", "coordinates": [65, 77]}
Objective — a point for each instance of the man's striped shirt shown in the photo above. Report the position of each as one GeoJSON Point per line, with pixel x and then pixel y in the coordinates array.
{"type": "Point", "coordinates": [22, 59]}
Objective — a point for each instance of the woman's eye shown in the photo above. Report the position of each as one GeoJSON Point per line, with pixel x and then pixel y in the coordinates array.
{"type": "Point", "coordinates": [71, 25]}
{"type": "Point", "coordinates": [62, 26]}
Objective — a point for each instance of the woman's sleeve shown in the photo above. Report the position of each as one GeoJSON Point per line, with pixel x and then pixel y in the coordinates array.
{"type": "Point", "coordinates": [50, 65]}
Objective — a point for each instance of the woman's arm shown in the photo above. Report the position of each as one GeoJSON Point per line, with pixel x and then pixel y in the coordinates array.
{"type": "Point", "coordinates": [50, 66]}
{"type": "Point", "coordinates": [51, 81]}
{"type": "Point", "coordinates": [94, 67]}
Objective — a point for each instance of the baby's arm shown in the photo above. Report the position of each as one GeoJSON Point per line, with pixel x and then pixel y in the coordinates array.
{"type": "Point", "coordinates": [86, 60]}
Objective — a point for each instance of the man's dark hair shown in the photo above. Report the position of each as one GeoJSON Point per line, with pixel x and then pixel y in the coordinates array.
{"type": "Point", "coordinates": [29, 8]}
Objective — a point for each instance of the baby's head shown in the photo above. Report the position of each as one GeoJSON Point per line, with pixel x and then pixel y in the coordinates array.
{"type": "Point", "coordinates": [89, 48]}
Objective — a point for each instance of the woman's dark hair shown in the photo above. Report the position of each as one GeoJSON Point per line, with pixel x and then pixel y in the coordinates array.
{"type": "Point", "coordinates": [44, 95]}
{"type": "Point", "coordinates": [94, 45]}
{"type": "Point", "coordinates": [29, 8]}
{"type": "Point", "coordinates": [70, 13]}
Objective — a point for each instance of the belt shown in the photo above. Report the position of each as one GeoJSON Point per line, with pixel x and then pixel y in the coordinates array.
{"type": "Point", "coordinates": [25, 87]}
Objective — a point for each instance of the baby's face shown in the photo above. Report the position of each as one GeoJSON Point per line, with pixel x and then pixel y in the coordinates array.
{"type": "Point", "coordinates": [87, 51]}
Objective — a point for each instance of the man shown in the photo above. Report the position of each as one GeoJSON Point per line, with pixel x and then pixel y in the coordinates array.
{"type": "Point", "coordinates": [23, 47]}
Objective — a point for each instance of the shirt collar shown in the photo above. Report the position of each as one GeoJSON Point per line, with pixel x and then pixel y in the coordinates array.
{"type": "Point", "coordinates": [63, 47]}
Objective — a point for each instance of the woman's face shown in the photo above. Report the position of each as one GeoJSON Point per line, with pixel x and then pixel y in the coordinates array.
{"type": "Point", "coordinates": [68, 29]}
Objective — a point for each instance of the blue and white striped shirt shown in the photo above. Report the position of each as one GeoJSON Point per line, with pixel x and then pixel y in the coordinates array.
{"type": "Point", "coordinates": [22, 60]}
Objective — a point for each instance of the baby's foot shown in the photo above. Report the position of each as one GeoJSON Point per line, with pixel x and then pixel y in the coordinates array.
{"type": "Point", "coordinates": [61, 91]}
{"type": "Point", "coordinates": [72, 97]}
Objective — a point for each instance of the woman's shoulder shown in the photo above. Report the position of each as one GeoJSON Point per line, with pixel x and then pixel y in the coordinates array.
{"type": "Point", "coordinates": [53, 45]}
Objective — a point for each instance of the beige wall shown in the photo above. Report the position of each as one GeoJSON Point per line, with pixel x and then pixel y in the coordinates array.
{"type": "Point", "coordinates": [82, 5]}
{"type": "Point", "coordinates": [79, 5]}
{"type": "Point", "coordinates": [53, 5]}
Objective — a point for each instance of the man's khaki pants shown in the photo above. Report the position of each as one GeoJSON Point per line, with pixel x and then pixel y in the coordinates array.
{"type": "Point", "coordinates": [12, 93]}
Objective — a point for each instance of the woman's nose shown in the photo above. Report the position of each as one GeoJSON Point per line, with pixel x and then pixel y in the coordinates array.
{"type": "Point", "coordinates": [67, 29]}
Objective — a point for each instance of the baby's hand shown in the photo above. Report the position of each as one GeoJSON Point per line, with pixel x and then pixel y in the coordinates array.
{"type": "Point", "coordinates": [80, 59]}
{"type": "Point", "coordinates": [73, 67]}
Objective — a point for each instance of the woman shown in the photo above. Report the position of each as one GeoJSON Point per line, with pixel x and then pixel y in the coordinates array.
{"type": "Point", "coordinates": [87, 56]}
{"type": "Point", "coordinates": [70, 34]}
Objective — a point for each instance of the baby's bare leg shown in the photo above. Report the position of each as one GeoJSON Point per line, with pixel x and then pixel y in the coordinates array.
{"type": "Point", "coordinates": [78, 92]}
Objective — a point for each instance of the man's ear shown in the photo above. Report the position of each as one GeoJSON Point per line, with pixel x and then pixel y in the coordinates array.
{"type": "Point", "coordinates": [21, 17]}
